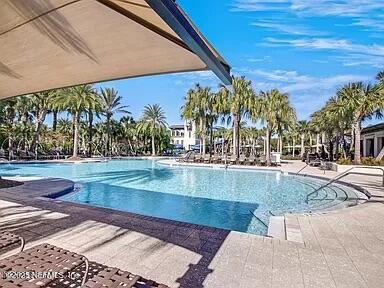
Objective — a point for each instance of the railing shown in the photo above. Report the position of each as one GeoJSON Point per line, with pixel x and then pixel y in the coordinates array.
{"type": "Point", "coordinates": [301, 169]}
{"type": "Point", "coordinates": [346, 173]}
{"type": "Point", "coordinates": [258, 219]}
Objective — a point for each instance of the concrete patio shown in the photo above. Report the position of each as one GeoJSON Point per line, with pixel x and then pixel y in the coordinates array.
{"type": "Point", "coordinates": [342, 248]}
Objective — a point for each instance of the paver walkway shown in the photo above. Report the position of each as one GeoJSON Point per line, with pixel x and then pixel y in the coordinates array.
{"type": "Point", "coordinates": [343, 248]}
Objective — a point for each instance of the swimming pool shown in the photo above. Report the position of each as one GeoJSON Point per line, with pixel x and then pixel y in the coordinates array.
{"type": "Point", "coordinates": [234, 199]}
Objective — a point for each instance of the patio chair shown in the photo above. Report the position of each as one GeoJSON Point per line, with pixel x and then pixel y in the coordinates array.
{"type": "Point", "coordinates": [40, 259]}
{"type": "Point", "coordinates": [198, 158]}
{"type": "Point", "coordinates": [207, 158]}
{"type": "Point", "coordinates": [114, 277]}
{"type": "Point", "coordinates": [185, 157]}
{"type": "Point", "coordinates": [242, 159]}
{"type": "Point", "coordinates": [23, 154]}
{"type": "Point", "coordinates": [251, 160]}
{"type": "Point", "coordinates": [7, 239]}
{"type": "Point", "coordinates": [313, 160]}
{"type": "Point", "coordinates": [216, 159]}
{"type": "Point", "coordinates": [263, 160]}
{"type": "Point", "coordinates": [191, 158]}
{"type": "Point", "coordinates": [233, 160]}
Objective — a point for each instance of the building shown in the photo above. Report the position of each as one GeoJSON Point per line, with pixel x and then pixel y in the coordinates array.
{"type": "Point", "coordinates": [372, 138]}
{"type": "Point", "coordinates": [184, 134]}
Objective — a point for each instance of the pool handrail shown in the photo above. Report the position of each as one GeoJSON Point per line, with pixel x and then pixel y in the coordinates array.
{"type": "Point", "coordinates": [346, 173]}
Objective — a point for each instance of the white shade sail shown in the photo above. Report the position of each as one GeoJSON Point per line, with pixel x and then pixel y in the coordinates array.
{"type": "Point", "coordinates": [46, 44]}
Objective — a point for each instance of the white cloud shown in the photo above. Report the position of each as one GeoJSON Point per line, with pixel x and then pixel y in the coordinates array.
{"type": "Point", "coordinates": [362, 60]}
{"type": "Point", "coordinates": [365, 13]}
{"type": "Point", "coordinates": [307, 93]}
{"type": "Point", "coordinates": [343, 8]}
{"type": "Point", "coordinates": [329, 44]}
{"type": "Point", "coordinates": [293, 82]}
{"type": "Point", "coordinates": [287, 28]}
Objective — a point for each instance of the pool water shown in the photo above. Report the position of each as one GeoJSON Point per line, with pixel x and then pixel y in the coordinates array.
{"type": "Point", "coordinates": [233, 199]}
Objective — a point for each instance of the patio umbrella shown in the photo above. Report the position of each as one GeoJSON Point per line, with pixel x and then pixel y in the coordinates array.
{"type": "Point", "coordinates": [51, 44]}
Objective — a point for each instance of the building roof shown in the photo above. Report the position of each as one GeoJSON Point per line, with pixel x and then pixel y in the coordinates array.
{"type": "Point", "coordinates": [373, 128]}
{"type": "Point", "coordinates": [57, 43]}
{"type": "Point", "coordinates": [176, 127]}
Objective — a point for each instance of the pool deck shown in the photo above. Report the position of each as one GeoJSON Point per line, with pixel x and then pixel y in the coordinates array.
{"type": "Point", "coordinates": [341, 248]}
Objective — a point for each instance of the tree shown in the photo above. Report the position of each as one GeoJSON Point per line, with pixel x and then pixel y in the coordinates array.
{"type": "Point", "coordinates": [360, 101]}
{"type": "Point", "coordinates": [153, 120]}
{"type": "Point", "coordinates": [196, 108]}
{"type": "Point", "coordinates": [41, 104]}
{"type": "Point", "coordinates": [272, 107]}
{"type": "Point", "coordinates": [303, 128]}
{"type": "Point", "coordinates": [111, 104]}
{"type": "Point", "coordinates": [237, 102]}
{"type": "Point", "coordinates": [76, 100]}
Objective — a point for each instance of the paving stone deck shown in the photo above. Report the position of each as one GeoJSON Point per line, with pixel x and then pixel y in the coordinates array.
{"type": "Point", "coordinates": [342, 248]}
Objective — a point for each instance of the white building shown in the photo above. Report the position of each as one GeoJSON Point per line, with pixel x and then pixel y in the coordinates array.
{"type": "Point", "coordinates": [372, 138]}
{"type": "Point", "coordinates": [184, 134]}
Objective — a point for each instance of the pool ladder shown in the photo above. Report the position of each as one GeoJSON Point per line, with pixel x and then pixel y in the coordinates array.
{"type": "Point", "coordinates": [346, 173]}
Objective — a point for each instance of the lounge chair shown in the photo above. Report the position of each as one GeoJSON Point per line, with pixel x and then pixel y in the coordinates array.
{"type": "Point", "coordinates": [233, 160]}
{"type": "Point", "coordinates": [263, 161]}
{"type": "Point", "coordinates": [242, 159]}
{"type": "Point", "coordinates": [207, 158]}
{"type": "Point", "coordinates": [7, 239]}
{"type": "Point", "coordinates": [185, 157]}
{"type": "Point", "coordinates": [313, 160]}
{"type": "Point", "coordinates": [199, 159]}
{"type": "Point", "coordinates": [40, 259]}
{"type": "Point", "coordinates": [23, 154]}
{"type": "Point", "coordinates": [191, 158]}
{"type": "Point", "coordinates": [251, 160]}
{"type": "Point", "coordinates": [113, 277]}
{"type": "Point", "coordinates": [216, 159]}
{"type": "Point", "coordinates": [50, 263]}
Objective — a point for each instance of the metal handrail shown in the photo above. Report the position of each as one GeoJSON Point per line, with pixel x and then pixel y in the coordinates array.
{"type": "Point", "coordinates": [346, 173]}
{"type": "Point", "coordinates": [297, 173]}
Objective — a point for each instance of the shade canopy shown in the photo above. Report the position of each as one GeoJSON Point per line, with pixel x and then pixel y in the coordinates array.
{"type": "Point", "coordinates": [47, 44]}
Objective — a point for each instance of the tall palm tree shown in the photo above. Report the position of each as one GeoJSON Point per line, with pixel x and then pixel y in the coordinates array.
{"type": "Point", "coordinates": [360, 101]}
{"type": "Point", "coordinates": [237, 103]}
{"type": "Point", "coordinates": [272, 107]}
{"type": "Point", "coordinates": [76, 100]}
{"type": "Point", "coordinates": [303, 128]}
{"type": "Point", "coordinates": [111, 104]}
{"type": "Point", "coordinates": [41, 104]}
{"type": "Point", "coordinates": [153, 120]}
{"type": "Point", "coordinates": [196, 108]}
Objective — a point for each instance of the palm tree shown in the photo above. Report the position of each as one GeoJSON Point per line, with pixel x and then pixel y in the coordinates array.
{"type": "Point", "coordinates": [153, 120]}
{"type": "Point", "coordinates": [111, 104]}
{"type": "Point", "coordinates": [196, 108]}
{"type": "Point", "coordinates": [272, 107]}
{"type": "Point", "coordinates": [41, 104]}
{"type": "Point", "coordinates": [360, 101]}
{"type": "Point", "coordinates": [303, 128]}
{"type": "Point", "coordinates": [237, 102]}
{"type": "Point", "coordinates": [76, 100]}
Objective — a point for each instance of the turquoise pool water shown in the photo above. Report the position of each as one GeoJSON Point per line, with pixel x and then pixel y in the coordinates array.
{"type": "Point", "coordinates": [228, 199]}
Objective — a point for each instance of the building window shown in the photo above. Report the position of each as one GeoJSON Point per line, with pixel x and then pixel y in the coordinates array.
{"type": "Point", "coordinates": [182, 142]}
{"type": "Point", "coordinates": [189, 133]}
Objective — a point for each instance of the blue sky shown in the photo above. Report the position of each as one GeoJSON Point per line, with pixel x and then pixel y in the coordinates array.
{"type": "Point", "coordinates": [306, 48]}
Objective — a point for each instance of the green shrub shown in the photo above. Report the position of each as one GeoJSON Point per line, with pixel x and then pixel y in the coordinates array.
{"type": "Point", "coordinates": [342, 161]}
{"type": "Point", "coordinates": [366, 161]}
{"type": "Point", "coordinates": [370, 161]}
{"type": "Point", "coordinates": [290, 157]}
